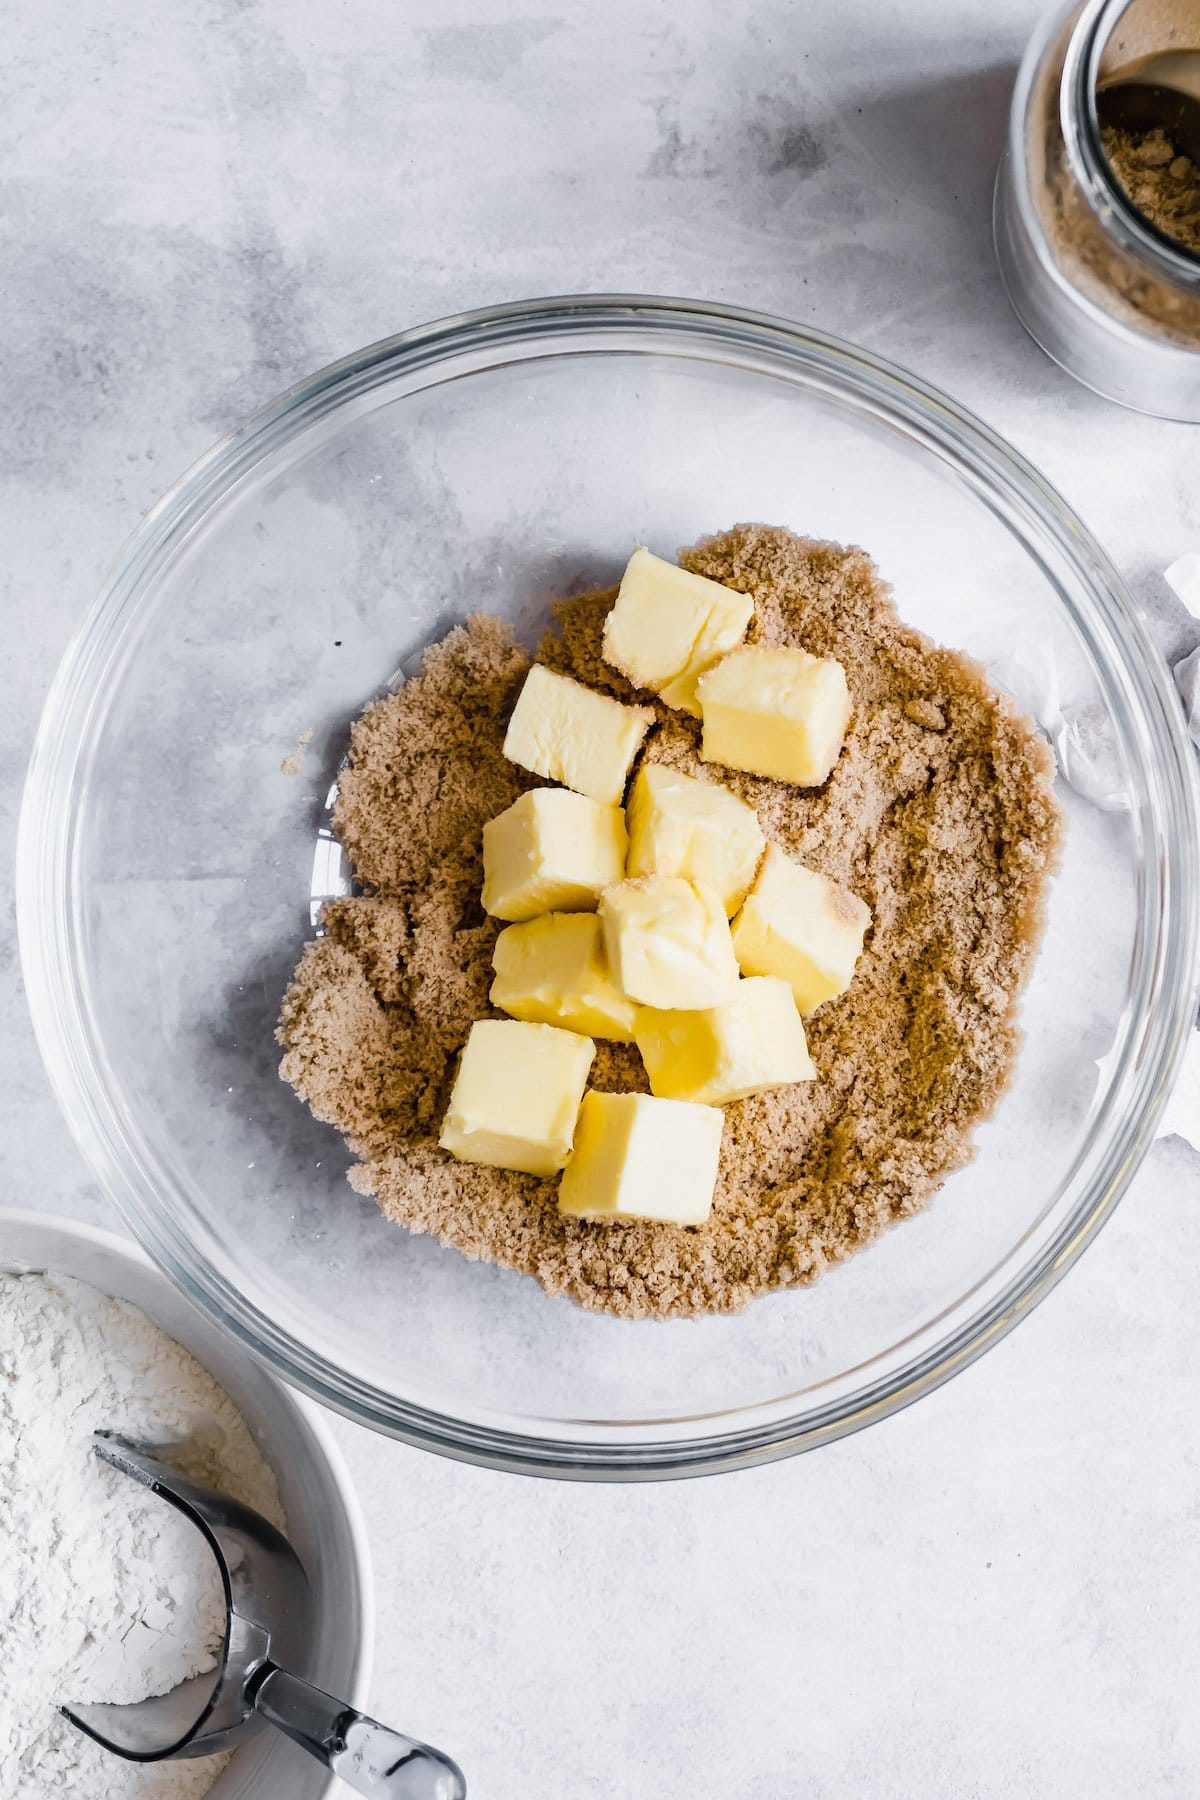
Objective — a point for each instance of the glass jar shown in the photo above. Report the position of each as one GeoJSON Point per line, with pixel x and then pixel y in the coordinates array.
{"type": "Point", "coordinates": [1106, 294]}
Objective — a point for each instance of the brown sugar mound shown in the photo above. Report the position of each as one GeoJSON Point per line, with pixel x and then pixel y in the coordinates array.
{"type": "Point", "coordinates": [1159, 180]}
{"type": "Point", "coordinates": [940, 813]}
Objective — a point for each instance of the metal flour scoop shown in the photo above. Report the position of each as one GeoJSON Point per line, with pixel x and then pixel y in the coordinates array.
{"type": "Point", "coordinates": [269, 1609]}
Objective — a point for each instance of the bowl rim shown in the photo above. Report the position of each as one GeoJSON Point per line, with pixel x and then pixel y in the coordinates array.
{"type": "Point", "coordinates": [48, 908]}
{"type": "Point", "coordinates": [323, 1445]}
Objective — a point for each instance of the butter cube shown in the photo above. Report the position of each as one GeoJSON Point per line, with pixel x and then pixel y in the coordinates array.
{"type": "Point", "coordinates": [554, 971]}
{"type": "Point", "coordinates": [667, 626]}
{"type": "Point", "coordinates": [802, 927]}
{"type": "Point", "coordinates": [775, 712]}
{"type": "Point", "coordinates": [681, 826]}
{"type": "Point", "coordinates": [668, 942]}
{"type": "Point", "coordinates": [551, 851]}
{"type": "Point", "coordinates": [753, 1043]}
{"type": "Point", "coordinates": [516, 1096]}
{"type": "Point", "coordinates": [639, 1158]}
{"type": "Point", "coordinates": [569, 733]}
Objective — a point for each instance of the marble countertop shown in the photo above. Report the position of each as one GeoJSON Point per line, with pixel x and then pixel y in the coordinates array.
{"type": "Point", "coordinates": [992, 1594]}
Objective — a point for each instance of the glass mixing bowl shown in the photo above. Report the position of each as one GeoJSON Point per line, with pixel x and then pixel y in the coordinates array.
{"type": "Point", "coordinates": [166, 858]}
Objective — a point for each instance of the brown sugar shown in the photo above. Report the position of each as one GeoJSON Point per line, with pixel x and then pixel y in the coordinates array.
{"type": "Point", "coordinates": [940, 813]}
{"type": "Point", "coordinates": [1159, 180]}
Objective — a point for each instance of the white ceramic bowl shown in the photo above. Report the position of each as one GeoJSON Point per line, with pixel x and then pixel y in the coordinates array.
{"type": "Point", "coordinates": [323, 1517]}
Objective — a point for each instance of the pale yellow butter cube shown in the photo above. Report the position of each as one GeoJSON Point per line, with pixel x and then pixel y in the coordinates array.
{"type": "Point", "coordinates": [551, 851]}
{"type": "Point", "coordinates": [726, 1053]}
{"type": "Point", "coordinates": [667, 626]}
{"type": "Point", "coordinates": [775, 712]}
{"type": "Point", "coordinates": [640, 1158]}
{"type": "Point", "coordinates": [681, 826]}
{"type": "Point", "coordinates": [554, 971]}
{"type": "Point", "coordinates": [802, 927]}
{"type": "Point", "coordinates": [570, 733]}
{"type": "Point", "coordinates": [668, 942]}
{"type": "Point", "coordinates": [516, 1096]}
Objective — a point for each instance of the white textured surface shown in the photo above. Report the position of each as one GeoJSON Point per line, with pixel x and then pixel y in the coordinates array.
{"type": "Point", "coordinates": [993, 1594]}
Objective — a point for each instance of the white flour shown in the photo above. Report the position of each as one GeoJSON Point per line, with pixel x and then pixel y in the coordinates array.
{"type": "Point", "coordinates": [106, 1593]}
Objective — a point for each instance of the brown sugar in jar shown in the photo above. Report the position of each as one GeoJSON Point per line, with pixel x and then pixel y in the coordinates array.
{"type": "Point", "coordinates": [1099, 251]}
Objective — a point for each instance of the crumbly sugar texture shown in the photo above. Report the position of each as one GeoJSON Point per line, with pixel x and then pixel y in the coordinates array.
{"type": "Point", "coordinates": [940, 813]}
{"type": "Point", "coordinates": [106, 1593]}
{"type": "Point", "coordinates": [1159, 179]}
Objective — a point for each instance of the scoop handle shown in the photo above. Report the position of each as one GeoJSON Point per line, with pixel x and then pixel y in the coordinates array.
{"type": "Point", "coordinates": [369, 1758]}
